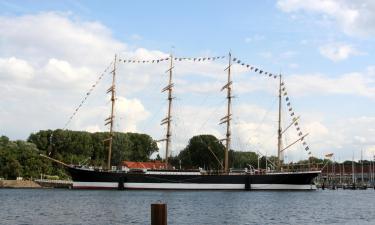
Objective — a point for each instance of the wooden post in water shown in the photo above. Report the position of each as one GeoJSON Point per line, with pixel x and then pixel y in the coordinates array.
{"type": "Point", "coordinates": [159, 214]}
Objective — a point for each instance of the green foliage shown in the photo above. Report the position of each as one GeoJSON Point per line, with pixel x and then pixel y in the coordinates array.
{"type": "Point", "coordinates": [239, 159]}
{"type": "Point", "coordinates": [21, 158]}
{"type": "Point", "coordinates": [197, 153]}
{"type": "Point", "coordinates": [132, 147]}
{"type": "Point", "coordinates": [77, 147]}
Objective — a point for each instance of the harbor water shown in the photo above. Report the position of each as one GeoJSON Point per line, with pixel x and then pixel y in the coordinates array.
{"type": "Point", "coordinates": [63, 206]}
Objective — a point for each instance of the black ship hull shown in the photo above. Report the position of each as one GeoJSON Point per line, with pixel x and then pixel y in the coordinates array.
{"type": "Point", "coordinates": [90, 179]}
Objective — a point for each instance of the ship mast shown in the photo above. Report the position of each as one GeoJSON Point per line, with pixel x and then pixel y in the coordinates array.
{"type": "Point", "coordinates": [279, 132]}
{"type": "Point", "coordinates": [227, 118]}
{"type": "Point", "coordinates": [168, 120]}
{"type": "Point", "coordinates": [110, 119]}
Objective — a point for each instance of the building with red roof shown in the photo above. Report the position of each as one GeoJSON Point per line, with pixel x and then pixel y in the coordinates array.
{"type": "Point", "coordinates": [144, 165]}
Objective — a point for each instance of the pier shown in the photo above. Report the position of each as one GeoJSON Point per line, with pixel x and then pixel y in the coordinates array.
{"type": "Point", "coordinates": [352, 176]}
{"type": "Point", "coordinates": [47, 183]}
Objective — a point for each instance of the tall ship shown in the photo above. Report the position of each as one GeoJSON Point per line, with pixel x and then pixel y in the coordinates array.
{"type": "Point", "coordinates": [168, 177]}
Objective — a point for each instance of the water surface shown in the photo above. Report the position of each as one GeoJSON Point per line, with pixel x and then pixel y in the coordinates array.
{"type": "Point", "coordinates": [54, 206]}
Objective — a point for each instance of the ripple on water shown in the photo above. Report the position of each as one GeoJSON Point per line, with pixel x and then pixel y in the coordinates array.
{"type": "Point", "coordinates": [54, 207]}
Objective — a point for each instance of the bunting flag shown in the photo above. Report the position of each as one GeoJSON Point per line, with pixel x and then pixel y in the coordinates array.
{"type": "Point", "coordinates": [294, 119]}
{"type": "Point", "coordinates": [284, 93]}
{"type": "Point", "coordinates": [196, 59]}
{"type": "Point", "coordinates": [87, 95]}
{"type": "Point", "coordinates": [256, 70]}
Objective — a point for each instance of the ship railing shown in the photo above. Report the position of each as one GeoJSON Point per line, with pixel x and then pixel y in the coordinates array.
{"type": "Point", "coordinates": [296, 168]}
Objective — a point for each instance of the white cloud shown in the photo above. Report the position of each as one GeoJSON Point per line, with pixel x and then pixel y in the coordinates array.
{"type": "Point", "coordinates": [61, 74]}
{"type": "Point", "coordinates": [356, 18]}
{"type": "Point", "coordinates": [56, 35]}
{"type": "Point", "coordinates": [93, 128]}
{"type": "Point", "coordinates": [142, 53]}
{"type": "Point", "coordinates": [360, 129]}
{"type": "Point", "coordinates": [338, 51]}
{"type": "Point", "coordinates": [356, 84]}
{"type": "Point", "coordinates": [132, 112]}
{"type": "Point", "coordinates": [15, 69]}
{"type": "Point", "coordinates": [252, 126]}
{"type": "Point", "coordinates": [48, 73]}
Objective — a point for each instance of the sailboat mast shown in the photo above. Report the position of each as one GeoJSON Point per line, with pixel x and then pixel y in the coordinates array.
{"type": "Point", "coordinates": [229, 102]}
{"type": "Point", "coordinates": [353, 180]}
{"type": "Point", "coordinates": [279, 133]}
{"type": "Point", "coordinates": [362, 166]}
{"type": "Point", "coordinates": [168, 119]}
{"type": "Point", "coordinates": [112, 89]}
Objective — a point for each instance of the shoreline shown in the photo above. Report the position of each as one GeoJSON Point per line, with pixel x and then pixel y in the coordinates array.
{"type": "Point", "coordinates": [30, 184]}
{"type": "Point", "coordinates": [19, 184]}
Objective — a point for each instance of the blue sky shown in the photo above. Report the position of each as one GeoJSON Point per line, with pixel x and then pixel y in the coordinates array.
{"type": "Point", "coordinates": [51, 51]}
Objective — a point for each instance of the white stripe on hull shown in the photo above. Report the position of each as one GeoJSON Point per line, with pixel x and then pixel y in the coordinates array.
{"type": "Point", "coordinates": [94, 185]}
{"type": "Point", "coordinates": [283, 186]}
{"type": "Point", "coordinates": [191, 186]}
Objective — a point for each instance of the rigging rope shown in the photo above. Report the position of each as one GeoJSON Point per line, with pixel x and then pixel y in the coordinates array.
{"type": "Point", "coordinates": [196, 59]}
{"type": "Point", "coordinates": [87, 95]}
{"type": "Point", "coordinates": [285, 96]}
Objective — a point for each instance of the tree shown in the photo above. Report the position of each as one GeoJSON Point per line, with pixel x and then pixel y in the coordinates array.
{"type": "Point", "coordinates": [239, 159]}
{"type": "Point", "coordinates": [132, 147]}
{"type": "Point", "coordinates": [201, 151]}
{"type": "Point", "coordinates": [76, 147]}
{"type": "Point", "coordinates": [12, 169]}
{"type": "Point", "coordinates": [4, 140]}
